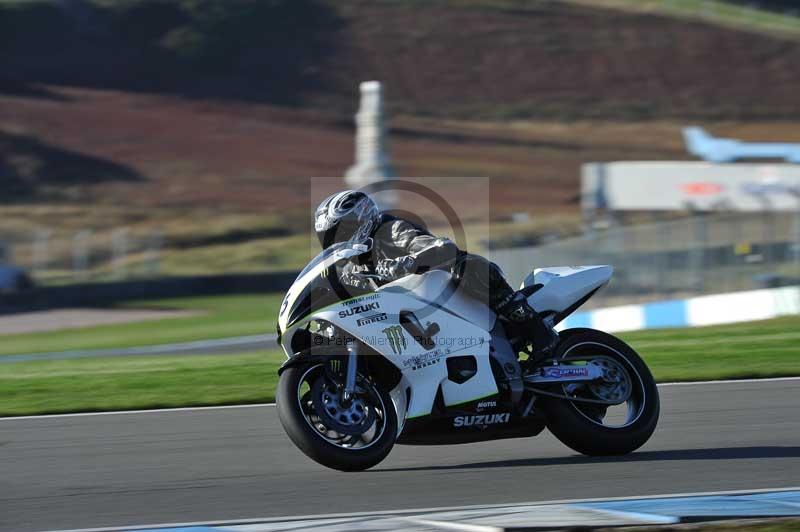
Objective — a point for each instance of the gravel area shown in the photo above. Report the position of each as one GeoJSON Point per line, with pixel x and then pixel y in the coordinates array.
{"type": "Point", "coordinates": [53, 320]}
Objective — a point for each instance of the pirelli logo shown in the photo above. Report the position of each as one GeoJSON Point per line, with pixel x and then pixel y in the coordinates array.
{"type": "Point", "coordinates": [372, 319]}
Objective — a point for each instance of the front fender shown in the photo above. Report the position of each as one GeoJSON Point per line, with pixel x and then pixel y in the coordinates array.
{"type": "Point", "coordinates": [302, 357]}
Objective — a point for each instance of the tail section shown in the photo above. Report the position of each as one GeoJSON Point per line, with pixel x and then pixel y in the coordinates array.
{"type": "Point", "coordinates": [566, 288]}
{"type": "Point", "coordinates": [697, 140]}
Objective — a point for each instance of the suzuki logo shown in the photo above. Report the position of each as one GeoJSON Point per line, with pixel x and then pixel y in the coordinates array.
{"type": "Point", "coordinates": [359, 309]}
{"type": "Point", "coordinates": [481, 419]}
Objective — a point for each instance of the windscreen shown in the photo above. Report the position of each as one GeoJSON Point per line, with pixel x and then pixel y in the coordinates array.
{"type": "Point", "coordinates": [343, 248]}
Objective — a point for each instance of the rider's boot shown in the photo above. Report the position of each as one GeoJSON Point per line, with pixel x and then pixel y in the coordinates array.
{"type": "Point", "coordinates": [516, 309]}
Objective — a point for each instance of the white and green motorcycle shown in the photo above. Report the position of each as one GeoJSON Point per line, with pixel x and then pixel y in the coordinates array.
{"type": "Point", "coordinates": [417, 361]}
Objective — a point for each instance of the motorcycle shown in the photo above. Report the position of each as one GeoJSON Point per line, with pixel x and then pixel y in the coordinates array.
{"type": "Point", "coordinates": [417, 361]}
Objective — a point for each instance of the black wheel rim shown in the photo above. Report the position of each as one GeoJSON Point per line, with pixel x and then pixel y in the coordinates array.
{"type": "Point", "coordinates": [353, 425]}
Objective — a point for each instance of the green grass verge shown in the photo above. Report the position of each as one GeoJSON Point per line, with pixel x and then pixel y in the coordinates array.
{"type": "Point", "coordinates": [762, 525]}
{"type": "Point", "coordinates": [759, 349]}
{"type": "Point", "coordinates": [131, 383]}
{"type": "Point", "coordinates": [219, 317]}
{"type": "Point", "coordinates": [768, 348]}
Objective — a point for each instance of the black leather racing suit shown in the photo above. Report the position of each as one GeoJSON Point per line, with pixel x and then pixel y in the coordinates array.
{"type": "Point", "coordinates": [395, 237]}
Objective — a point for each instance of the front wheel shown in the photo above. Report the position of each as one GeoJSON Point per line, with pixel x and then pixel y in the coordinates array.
{"type": "Point", "coordinates": [350, 435]}
{"type": "Point", "coordinates": [597, 429]}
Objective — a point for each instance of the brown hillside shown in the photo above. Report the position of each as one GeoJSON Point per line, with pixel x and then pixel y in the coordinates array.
{"type": "Point", "coordinates": [169, 152]}
{"type": "Point", "coordinates": [552, 59]}
{"type": "Point", "coordinates": [248, 156]}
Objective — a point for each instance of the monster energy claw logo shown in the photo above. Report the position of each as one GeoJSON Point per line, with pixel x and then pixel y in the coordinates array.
{"type": "Point", "coordinates": [396, 338]}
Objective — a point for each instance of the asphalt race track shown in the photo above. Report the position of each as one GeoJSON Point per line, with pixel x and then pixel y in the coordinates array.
{"type": "Point", "coordinates": [236, 463]}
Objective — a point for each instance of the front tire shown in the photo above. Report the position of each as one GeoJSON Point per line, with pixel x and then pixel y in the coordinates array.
{"type": "Point", "coordinates": [585, 427]}
{"type": "Point", "coordinates": [305, 396]}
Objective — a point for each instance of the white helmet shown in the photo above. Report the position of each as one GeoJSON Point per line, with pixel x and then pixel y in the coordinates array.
{"type": "Point", "coordinates": [348, 215]}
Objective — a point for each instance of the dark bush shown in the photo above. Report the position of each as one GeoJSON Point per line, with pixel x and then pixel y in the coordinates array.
{"type": "Point", "coordinates": [260, 49]}
{"type": "Point", "coordinates": [785, 6]}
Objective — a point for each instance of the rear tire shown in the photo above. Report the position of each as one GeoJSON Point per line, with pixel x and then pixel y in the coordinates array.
{"type": "Point", "coordinates": [579, 426]}
{"type": "Point", "coordinates": [293, 414]}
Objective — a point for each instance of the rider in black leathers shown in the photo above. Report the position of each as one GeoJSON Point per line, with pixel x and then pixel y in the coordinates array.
{"type": "Point", "coordinates": [401, 247]}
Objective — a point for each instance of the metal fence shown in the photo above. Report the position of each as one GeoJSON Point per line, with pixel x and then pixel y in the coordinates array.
{"type": "Point", "coordinates": [55, 257]}
{"type": "Point", "coordinates": [697, 255]}
{"type": "Point", "coordinates": [690, 256]}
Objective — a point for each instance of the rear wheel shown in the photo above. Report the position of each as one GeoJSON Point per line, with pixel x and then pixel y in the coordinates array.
{"type": "Point", "coordinates": [603, 429]}
{"type": "Point", "coordinates": [348, 435]}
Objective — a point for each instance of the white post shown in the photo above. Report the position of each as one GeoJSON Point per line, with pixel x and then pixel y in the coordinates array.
{"type": "Point", "coordinates": [80, 254]}
{"type": "Point", "coordinates": [372, 159]}
{"type": "Point", "coordinates": [153, 256]}
{"type": "Point", "coordinates": [119, 246]}
{"type": "Point", "coordinates": [41, 256]}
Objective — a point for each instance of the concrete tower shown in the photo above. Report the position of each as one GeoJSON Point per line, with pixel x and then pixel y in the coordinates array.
{"type": "Point", "coordinates": [372, 158]}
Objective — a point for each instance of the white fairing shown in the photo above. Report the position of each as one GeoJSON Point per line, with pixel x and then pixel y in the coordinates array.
{"type": "Point", "coordinates": [370, 318]}
{"type": "Point", "coordinates": [312, 271]}
{"type": "Point", "coordinates": [564, 286]}
{"type": "Point", "coordinates": [436, 287]}
{"type": "Point", "coordinates": [462, 325]}
{"type": "Point", "coordinates": [423, 369]}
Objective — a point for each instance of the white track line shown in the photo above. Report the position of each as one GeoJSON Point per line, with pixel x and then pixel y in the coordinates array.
{"type": "Point", "coordinates": [257, 405]}
{"type": "Point", "coordinates": [730, 381]}
{"type": "Point", "coordinates": [234, 522]}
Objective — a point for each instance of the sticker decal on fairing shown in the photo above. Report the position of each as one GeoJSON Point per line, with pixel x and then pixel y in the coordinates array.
{"type": "Point", "coordinates": [360, 299]}
{"type": "Point", "coordinates": [422, 361]}
{"type": "Point", "coordinates": [558, 372]}
{"type": "Point", "coordinates": [372, 319]}
{"type": "Point", "coordinates": [396, 338]}
{"type": "Point", "coordinates": [359, 309]}
{"type": "Point", "coordinates": [481, 419]}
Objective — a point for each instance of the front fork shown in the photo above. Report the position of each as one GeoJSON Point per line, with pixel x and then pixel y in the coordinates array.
{"type": "Point", "coordinates": [351, 371]}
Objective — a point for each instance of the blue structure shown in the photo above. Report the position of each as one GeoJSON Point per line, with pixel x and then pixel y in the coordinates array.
{"type": "Point", "coordinates": [719, 150]}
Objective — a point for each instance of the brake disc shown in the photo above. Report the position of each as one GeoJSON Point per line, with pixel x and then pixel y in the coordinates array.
{"type": "Point", "coordinates": [615, 387]}
{"type": "Point", "coordinates": [353, 418]}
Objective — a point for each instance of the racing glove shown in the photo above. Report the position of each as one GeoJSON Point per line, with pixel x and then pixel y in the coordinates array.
{"type": "Point", "coordinates": [350, 276]}
{"type": "Point", "coordinates": [396, 268]}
